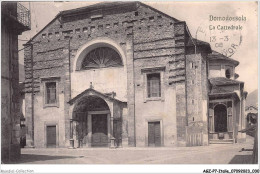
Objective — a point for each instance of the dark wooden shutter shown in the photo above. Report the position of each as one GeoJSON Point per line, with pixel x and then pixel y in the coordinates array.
{"type": "Point", "coordinates": [154, 85]}
{"type": "Point", "coordinates": [151, 134]}
{"type": "Point", "coordinates": [52, 95]}
{"type": "Point", "coordinates": [157, 134]}
{"type": "Point", "coordinates": [154, 134]}
{"type": "Point", "coordinates": [51, 92]}
{"type": "Point", "coordinates": [51, 136]}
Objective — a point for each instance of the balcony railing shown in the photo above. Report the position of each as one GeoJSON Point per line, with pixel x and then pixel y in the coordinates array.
{"type": "Point", "coordinates": [17, 12]}
{"type": "Point", "coordinates": [23, 15]}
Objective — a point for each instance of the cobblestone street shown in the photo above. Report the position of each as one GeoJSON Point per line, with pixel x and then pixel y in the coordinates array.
{"type": "Point", "coordinates": [212, 154]}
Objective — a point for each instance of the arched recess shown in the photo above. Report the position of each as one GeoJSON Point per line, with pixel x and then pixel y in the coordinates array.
{"type": "Point", "coordinates": [220, 118]}
{"type": "Point", "coordinates": [94, 44]}
{"type": "Point", "coordinates": [93, 121]}
{"type": "Point", "coordinates": [228, 73]}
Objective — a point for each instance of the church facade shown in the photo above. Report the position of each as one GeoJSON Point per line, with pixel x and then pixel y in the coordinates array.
{"type": "Point", "coordinates": [123, 74]}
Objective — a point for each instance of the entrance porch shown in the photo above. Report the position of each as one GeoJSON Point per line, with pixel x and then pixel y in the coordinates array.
{"type": "Point", "coordinates": [96, 120]}
{"type": "Point", "coordinates": [225, 118]}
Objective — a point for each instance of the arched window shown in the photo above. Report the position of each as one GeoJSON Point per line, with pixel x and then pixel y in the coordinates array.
{"type": "Point", "coordinates": [101, 57]}
{"type": "Point", "coordinates": [228, 73]}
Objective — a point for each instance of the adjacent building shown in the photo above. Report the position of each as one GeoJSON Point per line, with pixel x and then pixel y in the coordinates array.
{"type": "Point", "coordinates": [251, 115]}
{"type": "Point", "coordinates": [226, 100]}
{"type": "Point", "coordinates": [124, 74]}
{"type": "Point", "coordinates": [15, 20]}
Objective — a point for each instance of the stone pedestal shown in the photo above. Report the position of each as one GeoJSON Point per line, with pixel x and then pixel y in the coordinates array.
{"type": "Point", "coordinates": [112, 143]}
{"type": "Point", "coordinates": [29, 142]}
{"type": "Point", "coordinates": [80, 143]}
{"type": "Point", "coordinates": [119, 143]}
{"type": "Point", "coordinates": [71, 144]}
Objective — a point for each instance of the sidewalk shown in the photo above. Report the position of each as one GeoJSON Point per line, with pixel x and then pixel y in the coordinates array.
{"type": "Point", "coordinates": [212, 154]}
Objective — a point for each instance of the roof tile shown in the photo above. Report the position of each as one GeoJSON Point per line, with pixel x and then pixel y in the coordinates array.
{"type": "Point", "coordinates": [218, 56]}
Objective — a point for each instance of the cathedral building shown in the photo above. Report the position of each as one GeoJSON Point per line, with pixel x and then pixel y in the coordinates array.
{"type": "Point", "coordinates": [123, 74]}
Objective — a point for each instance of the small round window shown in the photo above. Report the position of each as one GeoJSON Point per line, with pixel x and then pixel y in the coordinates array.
{"type": "Point", "coordinates": [101, 57]}
{"type": "Point", "coordinates": [228, 73]}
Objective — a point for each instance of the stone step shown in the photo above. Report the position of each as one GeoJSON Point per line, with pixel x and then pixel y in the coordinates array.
{"type": "Point", "coordinates": [217, 141]}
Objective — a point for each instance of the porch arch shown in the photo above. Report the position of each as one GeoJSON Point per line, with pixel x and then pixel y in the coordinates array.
{"type": "Point", "coordinates": [89, 103]}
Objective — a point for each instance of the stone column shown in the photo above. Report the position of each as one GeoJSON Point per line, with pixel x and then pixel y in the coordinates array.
{"type": "Point", "coordinates": [243, 118]}
{"type": "Point", "coordinates": [89, 130]}
{"type": "Point", "coordinates": [71, 135]}
{"type": "Point", "coordinates": [124, 127]}
{"type": "Point", "coordinates": [240, 120]}
{"type": "Point", "coordinates": [130, 91]}
{"type": "Point", "coordinates": [28, 120]}
{"type": "Point", "coordinates": [66, 81]}
{"type": "Point", "coordinates": [28, 61]}
{"type": "Point", "coordinates": [112, 138]}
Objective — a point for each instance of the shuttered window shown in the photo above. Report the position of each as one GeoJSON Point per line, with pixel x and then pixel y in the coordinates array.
{"type": "Point", "coordinates": [153, 85]}
{"type": "Point", "coordinates": [51, 93]}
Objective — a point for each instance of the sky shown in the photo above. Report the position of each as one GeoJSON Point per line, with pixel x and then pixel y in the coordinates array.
{"type": "Point", "coordinates": [197, 16]}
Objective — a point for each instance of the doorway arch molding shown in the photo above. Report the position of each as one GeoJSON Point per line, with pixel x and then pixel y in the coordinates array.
{"type": "Point", "coordinates": [220, 103]}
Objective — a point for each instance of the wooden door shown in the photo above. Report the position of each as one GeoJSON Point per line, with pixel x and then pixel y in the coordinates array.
{"type": "Point", "coordinates": [220, 116]}
{"type": "Point", "coordinates": [99, 130]}
{"type": "Point", "coordinates": [51, 136]}
{"type": "Point", "coordinates": [154, 134]}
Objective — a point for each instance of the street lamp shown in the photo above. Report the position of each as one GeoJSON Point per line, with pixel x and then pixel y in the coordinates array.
{"type": "Point", "coordinates": [22, 122]}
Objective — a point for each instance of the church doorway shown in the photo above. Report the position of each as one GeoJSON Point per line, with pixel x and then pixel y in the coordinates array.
{"type": "Point", "coordinates": [93, 122]}
{"type": "Point", "coordinates": [220, 118]}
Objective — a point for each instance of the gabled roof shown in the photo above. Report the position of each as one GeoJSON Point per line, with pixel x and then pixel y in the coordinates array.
{"type": "Point", "coordinates": [223, 95]}
{"type": "Point", "coordinates": [222, 81]}
{"type": "Point", "coordinates": [254, 107]}
{"type": "Point", "coordinates": [89, 90]}
{"type": "Point", "coordinates": [218, 56]}
{"type": "Point", "coordinates": [107, 5]}
{"type": "Point", "coordinates": [199, 43]}
{"type": "Point", "coordinates": [101, 5]}
{"type": "Point", "coordinates": [97, 6]}
{"type": "Point", "coordinates": [217, 90]}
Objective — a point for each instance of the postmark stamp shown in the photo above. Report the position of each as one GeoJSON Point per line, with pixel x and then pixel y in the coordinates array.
{"type": "Point", "coordinates": [223, 33]}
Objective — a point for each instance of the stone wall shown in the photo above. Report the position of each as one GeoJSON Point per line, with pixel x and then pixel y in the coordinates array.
{"type": "Point", "coordinates": [197, 87]}
{"type": "Point", "coordinates": [217, 68]}
{"type": "Point", "coordinates": [160, 43]}
{"type": "Point", "coordinates": [10, 106]}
